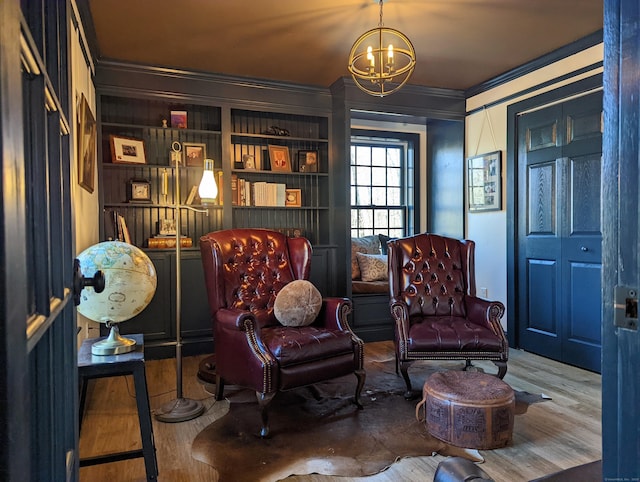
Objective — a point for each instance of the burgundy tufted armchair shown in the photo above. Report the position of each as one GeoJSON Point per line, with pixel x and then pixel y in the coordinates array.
{"type": "Point", "coordinates": [434, 306]}
{"type": "Point", "coordinates": [244, 271]}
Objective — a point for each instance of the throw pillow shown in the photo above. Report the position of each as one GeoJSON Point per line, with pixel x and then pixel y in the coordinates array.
{"type": "Point", "coordinates": [297, 304]}
{"type": "Point", "coordinates": [373, 267]}
{"type": "Point", "coordinates": [383, 243]}
{"type": "Point", "coordinates": [365, 244]}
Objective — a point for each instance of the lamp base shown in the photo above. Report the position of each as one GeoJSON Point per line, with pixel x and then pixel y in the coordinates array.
{"type": "Point", "coordinates": [114, 344]}
{"type": "Point", "coordinates": [179, 410]}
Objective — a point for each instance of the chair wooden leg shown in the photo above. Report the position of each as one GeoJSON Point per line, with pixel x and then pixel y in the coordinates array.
{"type": "Point", "coordinates": [362, 375]}
{"type": "Point", "coordinates": [404, 369]}
{"type": "Point", "coordinates": [219, 387]}
{"type": "Point", "coordinates": [263, 400]}
{"type": "Point", "coordinates": [502, 368]}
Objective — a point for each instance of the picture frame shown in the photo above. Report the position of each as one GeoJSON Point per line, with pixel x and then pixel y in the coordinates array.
{"type": "Point", "coordinates": [138, 191]}
{"type": "Point", "coordinates": [249, 162]}
{"type": "Point", "coordinates": [484, 182]}
{"type": "Point", "coordinates": [308, 161]}
{"type": "Point", "coordinates": [127, 150]}
{"type": "Point", "coordinates": [86, 146]}
{"type": "Point", "coordinates": [293, 198]}
{"type": "Point", "coordinates": [194, 153]}
{"type": "Point", "coordinates": [166, 227]}
{"type": "Point", "coordinates": [179, 119]}
{"type": "Point", "coordinates": [279, 158]}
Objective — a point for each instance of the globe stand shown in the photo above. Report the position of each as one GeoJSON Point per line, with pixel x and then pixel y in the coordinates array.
{"type": "Point", "coordinates": [114, 344]}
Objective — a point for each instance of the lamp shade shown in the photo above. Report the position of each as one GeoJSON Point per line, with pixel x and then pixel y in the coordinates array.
{"type": "Point", "coordinates": [208, 189]}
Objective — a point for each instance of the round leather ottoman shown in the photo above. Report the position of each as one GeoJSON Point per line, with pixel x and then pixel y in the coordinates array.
{"type": "Point", "coordinates": [469, 409]}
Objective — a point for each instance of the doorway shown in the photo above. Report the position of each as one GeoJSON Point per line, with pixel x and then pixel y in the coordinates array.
{"type": "Point", "coordinates": [558, 231]}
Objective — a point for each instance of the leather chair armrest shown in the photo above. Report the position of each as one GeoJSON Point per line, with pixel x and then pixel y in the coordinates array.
{"type": "Point", "coordinates": [400, 314]}
{"type": "Point", "coordinates": [487, 313]}
{"type": "Point", "coordinates": [333, 314]}
{"type": "Point", "coordinates": [237, 319]}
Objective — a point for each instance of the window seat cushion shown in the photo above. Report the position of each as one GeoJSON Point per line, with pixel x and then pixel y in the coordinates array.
{"type": "Point", "coordinates": [370, 287]}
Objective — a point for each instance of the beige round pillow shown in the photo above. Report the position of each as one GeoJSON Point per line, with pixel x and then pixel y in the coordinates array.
{"type": "Point", "coordinates": [298, 303]}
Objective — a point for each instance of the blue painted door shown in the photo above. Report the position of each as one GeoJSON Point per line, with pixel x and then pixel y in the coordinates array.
{"type": "Point", "coordinates": [559, 233]}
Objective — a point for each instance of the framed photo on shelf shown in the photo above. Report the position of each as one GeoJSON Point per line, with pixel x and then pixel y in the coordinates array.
{"type": "Point", "coordinates": [179, 119]}
{"type": "Point", "coordinates": [194, 153]}
{"type": "Point", "coordinates": [307, 161]}
{"type": "Point", "coordinates": [293, 198]}
{"type": "Point", "coordinates": [279, 158]}
{"type": "Point", "coordinates": [484, 182]}
{"type": "Point", "coordinates": [127, 150]}
{"type": "Point", "coordinates": [86, 146]}
{"type": "Point", "coordinates": [249, 162]}
{"type": "Point", "coordinates": [166, 227]}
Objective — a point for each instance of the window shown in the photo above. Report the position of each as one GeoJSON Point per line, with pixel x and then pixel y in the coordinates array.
{"type": "Point", "coordinates": [381, 187]}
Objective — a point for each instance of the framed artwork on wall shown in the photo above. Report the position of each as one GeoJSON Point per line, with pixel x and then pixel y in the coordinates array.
{"type": "Point", "coordinates": [484, 182]}
{"type": "Point", "coordinates": [86, 152]}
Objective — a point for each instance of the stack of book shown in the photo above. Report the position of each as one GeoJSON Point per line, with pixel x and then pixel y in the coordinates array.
{"type": "Point", "coordinates": [259, 193]}
{"type": "Point", "coordinates": [168, 242]}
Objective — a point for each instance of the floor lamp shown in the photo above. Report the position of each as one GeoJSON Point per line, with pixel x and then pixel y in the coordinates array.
{"type": "Point", "coordinates": [182, 409]}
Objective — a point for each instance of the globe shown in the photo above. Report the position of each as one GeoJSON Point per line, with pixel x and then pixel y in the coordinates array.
{"type": "Point", "coordinates": [130, 282]}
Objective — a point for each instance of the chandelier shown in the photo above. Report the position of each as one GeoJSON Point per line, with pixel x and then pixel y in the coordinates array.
{"type": "Point", "coordinates": [381, 60]}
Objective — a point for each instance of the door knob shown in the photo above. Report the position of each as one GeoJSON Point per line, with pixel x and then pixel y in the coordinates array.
{"type": "Point", "coordinates": [584, 249]}
{"type": "Point", "coordinates": [79, 281]}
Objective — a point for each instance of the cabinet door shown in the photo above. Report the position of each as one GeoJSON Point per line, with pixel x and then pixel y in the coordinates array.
{"type": "Point", "coordinates": [321, 270]}
{"type": "Point", "coordinates": [156, 320]}
{"type": "Point", "coordinates": [196, 317]}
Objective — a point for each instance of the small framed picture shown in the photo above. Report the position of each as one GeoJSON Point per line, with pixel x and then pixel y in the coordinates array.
{"type": "Point", "coordinates": [484, 182]}
{"type": "Point", "coordinates": [293, 198]}
{"type": "Point", "coordinates": [126, 150]}
{"type": "Point", "coordinates": [179, 119]}
{"type": "Point", "coordinates": [307, 161]}
{"type": "Point", "coordinates": [194, 153]}
{"type": "Point", "coordinates": [249, 162]}
{"type": "Point", "coordinates": [167, 227]}
{"type": "Point", "coordinates": [279, 158]}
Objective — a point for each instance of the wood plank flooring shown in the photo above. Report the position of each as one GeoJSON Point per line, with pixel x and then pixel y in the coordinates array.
{"type": "Point", "coordinates": [551, 436]}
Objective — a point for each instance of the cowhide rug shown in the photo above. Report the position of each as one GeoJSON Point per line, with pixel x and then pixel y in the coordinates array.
{"type": "Point", "coordinates": [318, 429]}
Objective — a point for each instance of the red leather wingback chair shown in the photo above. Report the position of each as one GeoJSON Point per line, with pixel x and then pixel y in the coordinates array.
{"type": "Point", "coordinates": [244, 271]}
{"type": "Point", "coordinates": [434, 306]}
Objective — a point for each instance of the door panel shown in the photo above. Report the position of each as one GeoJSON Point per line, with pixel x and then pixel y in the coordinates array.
{"type": "Point", "coordinates": [559, 235]}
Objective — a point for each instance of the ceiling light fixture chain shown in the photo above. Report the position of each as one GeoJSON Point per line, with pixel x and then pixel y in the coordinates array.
{"type": "Point", "coordinates": [381, 60]}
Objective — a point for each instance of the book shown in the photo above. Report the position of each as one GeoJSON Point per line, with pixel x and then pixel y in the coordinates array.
{"type": "Point", "coordinates": [234, 190]}
{"type": "Point", "coordinates": [123, 230]}
{"type": "Point", "coordinates": [168, 242]}
{"type": "Point", "coordinates": [192, 195]}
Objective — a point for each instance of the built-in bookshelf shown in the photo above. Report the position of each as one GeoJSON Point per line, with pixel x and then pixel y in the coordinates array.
{"type": "Point", "coordinates": [147, 123]}
{"type": "Point", "coordinates": [303, 142]}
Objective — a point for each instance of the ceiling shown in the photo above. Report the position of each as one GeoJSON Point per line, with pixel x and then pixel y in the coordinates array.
{"type": "Point", "coordinates": [459, 43]}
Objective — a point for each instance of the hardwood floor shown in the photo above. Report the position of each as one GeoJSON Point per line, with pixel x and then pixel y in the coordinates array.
{"type": "Point", "coordinates": [551, 436]}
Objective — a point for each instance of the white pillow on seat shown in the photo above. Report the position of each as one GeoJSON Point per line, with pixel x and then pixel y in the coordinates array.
{"type": "Point", "coordinates": [373, 267]}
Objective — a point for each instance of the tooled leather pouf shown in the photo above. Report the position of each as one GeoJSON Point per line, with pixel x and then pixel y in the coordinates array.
{"type": "Point", "coordinates": [469, 409]}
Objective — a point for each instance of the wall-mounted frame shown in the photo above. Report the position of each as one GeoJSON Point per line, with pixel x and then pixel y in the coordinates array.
{"type": "Point", "coordinates": [484, 182]}
{"type": "Point", "coordinates": [194, 153]}
{"type": "Point", "coordinates": [279, 158]}
{"type": "Point", "coordinates": [127, 150]}
{"type": "Point", "coordinates": [86, 153]}
{"type": "Point", "coordinates": [307, 161]}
